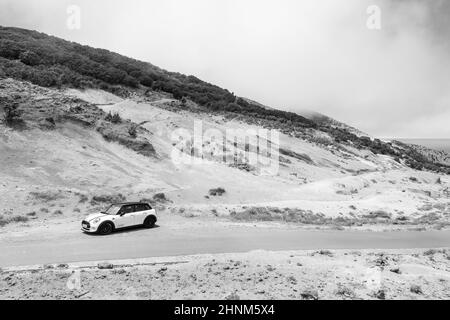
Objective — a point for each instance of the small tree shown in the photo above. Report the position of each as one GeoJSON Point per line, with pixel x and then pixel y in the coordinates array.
{"type": "Point", "coordinates": [132, 131]}
{"type": "Point", "coordinates": [108, 117]}
{"type": "Point", "coordinates": [116, 118]}
{"type": "Point", "coordinates": [12, 114]}
{"type": "Point", "coordinates": [113, 117]}
{"type": "Point", "coordinates": [30, 58]}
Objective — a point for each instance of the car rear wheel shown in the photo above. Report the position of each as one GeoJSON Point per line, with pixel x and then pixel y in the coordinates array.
{"type": "Point", "coordinates": [150, 221]}
{"type": "Point", "coordinates": [105, 228]}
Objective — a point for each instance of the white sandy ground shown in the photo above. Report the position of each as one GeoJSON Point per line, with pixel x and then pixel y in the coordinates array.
{"type": "Point", "coordinates": [337, 274]}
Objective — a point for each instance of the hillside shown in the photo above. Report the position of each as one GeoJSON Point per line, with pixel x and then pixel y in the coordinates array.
{"type": "Point", "coordinates": [52, 62]}
{"type": "Point", "coordinates": [83, 127]}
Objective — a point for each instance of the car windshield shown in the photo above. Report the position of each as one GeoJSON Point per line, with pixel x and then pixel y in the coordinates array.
{"type": "Point", "coordinates": [112, 210]}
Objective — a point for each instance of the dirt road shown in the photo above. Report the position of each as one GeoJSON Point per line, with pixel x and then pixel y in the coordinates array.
{"type": "Point", "coordinates": [76, 246]}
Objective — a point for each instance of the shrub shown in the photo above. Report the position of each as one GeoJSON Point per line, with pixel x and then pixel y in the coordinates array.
{"type": "Point", "coordinates": [30, 58]}
{"type": "Point", "coordinates": [113, 117]}
{"type": "Point", "coordinates": [160, 197]}
{"type": "Point", "coordinates": [110, 199]}
{"type": "Point", "coordinates": [380, 294]}
{"type": "Point", "coordinates": [46, 196]}
{"type": "Point", "coordinates": [345, 292]}
{"type": "Point", "coordinates": [12, 115]}
{"type": "Point", "coordinates": [132, 131]}
{"type": "Point", "coordinates": [310, 294]}
{"type": "Point", "coordinates": [325, 253]}
{"type": "Point", "coordinates": [416, 289]}
{"type": "Point", "coordinates": [19, 219]}
{"type": "Point", "coordinates": [379, 214]}
{"type": "Point", "coordinates": [217, 192]}
{"type": "Point", "coordinates": [83, 198]}
{"type": "Point", "coordinates": [430, 252]}
{"type": "Point", "coordinates": [108, 116]}
{"type": "Point", "coordinates": [4, 221]}
{"type": "Point", "coordinates": [116, 118]}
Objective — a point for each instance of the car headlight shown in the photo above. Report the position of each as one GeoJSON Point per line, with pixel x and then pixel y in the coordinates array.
{"type": "Point", "coordinates": [97, 220]}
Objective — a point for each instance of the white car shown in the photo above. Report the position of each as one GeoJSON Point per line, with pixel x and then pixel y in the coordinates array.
{"type": "Point", "coordinates": [118, 216]}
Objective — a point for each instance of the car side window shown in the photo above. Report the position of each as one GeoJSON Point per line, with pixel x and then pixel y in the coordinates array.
{"type": "Point", "coordinates": [142, 207]}
{"type": "Point", "coordinates": [126, 209]}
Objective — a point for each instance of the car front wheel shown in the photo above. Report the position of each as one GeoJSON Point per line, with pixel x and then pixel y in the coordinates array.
{"type": "Point", "coordinates": [150, 221]}
{"type": "Point", "coordinates": [105, 228]}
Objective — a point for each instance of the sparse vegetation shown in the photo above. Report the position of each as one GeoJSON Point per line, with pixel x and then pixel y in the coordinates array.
{"type": "Point", "coordinates": [345, 292]}
{"type": "Point", "coordinates": [107, 199]}
{"type": "Point", "coordinates": [46, 196]}
{"type": "Point", "coordinates": [310, 294]}
{"type": "Point", "coordinates": [12, 114]}
{"type": "Point", "coordinates": [291, 215]}
{"type": "Point", "coordinates": [122, 136]}
{"type": "Point", "coordinates": [242, 166]}
{"type": "Point", "coordinates": [216, 192]}
{"type": "Point", "coordinates": [300, 216]}
{"type": "Point", "coordinates": [83, 198]}
{"type": "Point", "coordinates": [113, 117]}
{"type": "Point", "coordinates": [416, 289]}
{"type": "Point", "coordinates": [430, 252]}
{"type": "Point", "coordinates": [295, 155]}
{"type": "Point", "coordinates": [379, 214]}
{"type": "Point", "coordinates": [325, 253]}
{"type": "Point", "coordinates": [6, 220]}
{"type": "Point", "coordinates": [380, 294]}
{"type": "Point", "coordinates": [132, 131]}
{"type": "Point", "coordinates": [160, 197]}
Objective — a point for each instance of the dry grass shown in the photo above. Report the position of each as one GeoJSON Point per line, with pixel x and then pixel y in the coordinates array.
{"type": "Point", "coordinates": [307, 217]}
{"type": "Point", "coordinates": [289, 215]}
{"type": "Point", "coordinates": [46, 196]}
{"type": "Point", "coordinates": [216, 192]}
{"type": "Point", "coordinates": [7, 220]}
{"type": "Point", "coordinates": [108, 199]}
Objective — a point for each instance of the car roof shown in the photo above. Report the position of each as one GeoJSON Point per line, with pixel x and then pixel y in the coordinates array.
{"type": "Point", "coordinates": [128, 203]}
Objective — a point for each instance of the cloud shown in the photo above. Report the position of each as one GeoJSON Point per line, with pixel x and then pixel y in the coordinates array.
{"type": "Point", "coordinates": [288, 54]}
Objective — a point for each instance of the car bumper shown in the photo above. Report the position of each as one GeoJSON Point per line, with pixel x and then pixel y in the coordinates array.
{"type": "Point", "coordinates": [88, 228]}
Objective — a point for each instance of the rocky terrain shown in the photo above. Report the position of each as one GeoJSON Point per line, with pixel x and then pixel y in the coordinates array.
{"type": "Point", "coordinates": [308, 275]}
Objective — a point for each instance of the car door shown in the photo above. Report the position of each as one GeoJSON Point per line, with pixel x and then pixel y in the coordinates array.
{"type": "Point", "coordinates": [140, 213]}
{"type": "Point", "coordinates": [125, 216]}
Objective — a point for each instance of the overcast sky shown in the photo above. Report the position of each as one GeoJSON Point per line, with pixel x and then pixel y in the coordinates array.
{"type": "Point", "coordinates": [289, 54]}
